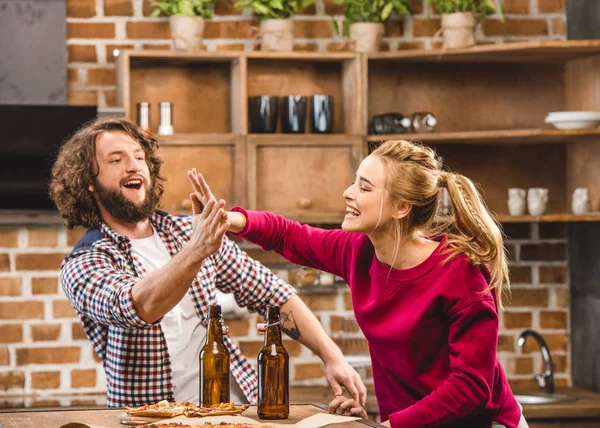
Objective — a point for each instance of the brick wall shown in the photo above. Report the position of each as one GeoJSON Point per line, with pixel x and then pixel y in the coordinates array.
{"type": "Point", "coordinates": [95, 28]}
{"type": "Point", "coordinates": [43, 350]}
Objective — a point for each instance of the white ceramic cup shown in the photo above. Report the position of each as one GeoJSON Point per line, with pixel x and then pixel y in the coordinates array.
{"type": "Point", "coordinates": [537, 199]}
{"type": "Point", "coordinates": [517, 201]}
{"type": "Point", "coordinates": [581, 201]}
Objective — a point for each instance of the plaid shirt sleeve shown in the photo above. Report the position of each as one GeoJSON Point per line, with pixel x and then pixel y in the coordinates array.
{"type": "Point", "coordinates": [253, 285]}
{"type": "Point", "coordinates": [99, 290]}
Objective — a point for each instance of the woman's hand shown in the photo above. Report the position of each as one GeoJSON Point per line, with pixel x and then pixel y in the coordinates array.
{"type": "Point", "coordinates": [347, 407]}
{"type": "Point", "coordinates": [209, 226]}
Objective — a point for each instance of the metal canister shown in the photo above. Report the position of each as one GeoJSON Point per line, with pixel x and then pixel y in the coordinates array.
{"type": "Point", "coordinates": [143, 115]}
{"type": "Point", "coordinates": [165, 126]}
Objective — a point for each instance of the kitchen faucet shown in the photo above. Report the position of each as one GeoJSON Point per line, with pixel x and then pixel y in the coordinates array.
{"type": "Point", "coordinates": [544, 380]}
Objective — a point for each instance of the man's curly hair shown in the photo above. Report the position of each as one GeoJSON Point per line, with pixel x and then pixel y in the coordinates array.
{"type": "Point", "coordinates": [76, 168]}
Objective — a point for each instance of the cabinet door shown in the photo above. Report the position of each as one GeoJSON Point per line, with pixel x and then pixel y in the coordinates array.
{"type": "Point", "coordinates": [302, 177]}
{"type": "Point", "coordinates": [219, 159]}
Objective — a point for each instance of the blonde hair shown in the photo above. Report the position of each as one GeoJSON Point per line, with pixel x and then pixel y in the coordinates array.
{"type": "Point", "coordinates": [414, 176]}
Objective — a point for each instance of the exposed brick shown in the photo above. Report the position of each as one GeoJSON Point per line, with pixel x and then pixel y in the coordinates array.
{"type": "Point", "coordinates": [528, 297]}
{"type": "Point", "coordinates": [515, 27]}
{"type": "Point", "coordinates": [44, 285]}
{"type": "Point", "coordinates": [39, 261]}
{"type": "Point", "coordinates": [352, 345]}
{"type": "Point", "coordinates": [384, 46]}
{"type": "Point", "coordinates": [524, 384]}
{"type": "Point", "coordinates": [101, 77]}
{"type": "Point", "coordinates": [118, 7]}
{"type": "Point", "coordinates": [45, 380]}
{"type": "Point", "coordinates": [4, 263]}
{"type": "Point", "coordinates": [110, 57]}
{"type": "Point", "coordinates": [148, 8]}
{"type": "Point", "coordinates": [560, 363]}
{"type": "Point", "coordinates": [9, 238]}
{"type": "Point", "coordinates": [339, 47]}
{"type": "Point", "coordinates": [225, 7]}
{"type": "Point", "coordinates": [309, 10]}
{"type": "Point", "coordinates": [301, 47]}
{"type": "Point", "coordinates": [313, 29]}
{"type": "Point", "coordinates": [4, 357]}
{"type": "Point", "coordinates": [341, 324]}
{"type": "Point", "coordinates": [543, 252]}
{"type": "Point", "coordinates": [410, 45]}
{"type": "Point", "coordinates": [520, 274]}
{"type": "Point", "coordinates": [81, 8]}
{"type": "Point", "coordinates": [556, 342]}
{"type": "Point", "coordinates": [83, 378]}
{"type": "Point", "coordinates": [11, 380]}
{"type": "Point", "coordinates": [11, 333]}
{"type": "Point", "coordinates": [415, 6]}
{"type": "Point", "coordinates": [516, 230]}
{"type": "Point", "coordinates": [45, 332]}
{"type": "Point", "coordinates": [562, 297]}
{"type": "Point", "coordinates": [43, 238]}
{"type": "Point", "coordinates": [161, 47]}
{"type": "Point", "coordinates": [266, 257]}
{"type": "Point", "coordinates": [87, 98]}
{"type": "Point", "coordinates": [73, 78]}
{"type": "Point", "coordinates": [44, 403]}
{"type": "Point", "coordinates": [553, 274]}
{"type": "Point", "coordinates": [308, 371]}
{"type": "Point", "coordinates": [238, 327]}
{"type": "Point", "coordinates": [332, 8]}
{"type": "Point", "coordinates": [10, 286]}
{"type": "Point", "coordinates": [77, 332]}
{"type": "Point", "coordinates": [348, 301]}
{"type": "Point", "coordinates": [63, 309]}
{"type": "Point", "coordinates": [250, 348]}
{"type": "Point", "coordinates": [559, 26]}
{"type": "Point", "coordinates": [425, 27]}
{"type": "Point", "coordinates": [111, 98]}
{"type": "Point", "coordinates": [88, 30]}
{"type": "Point", "coordinates": [551, 6]}
{"type": "Point", "coordinates": [21, 310]}
{"type": "Point", "coordinates": [517, 320]}
{"type": "Point", "coordinates": [511, 252]}
{"type": "Point", "coordinates": [320, 302]}
{"type": "Point", "coordinates": [96, 358]}
{"type": "Point", "coordinates": [293, 347]}
{"type": "Point", "coordinates": [516, 6]}
{"type": "Point", "coordinates": [73, 236]}
{"type": "Point", "coordinates": [393, 28]}
{"type": "Point", "coordinates": [148, 30]}
{"type": "Point", "coordinates": [506, 342]}
{"type": "Point", "coordinates": [82, 53]}
{"type": "Point", "coordinates": [55, 355]}
{"type": "Point", "coordinates": [520, 365]}
{"type": "Point", "coordinates": [553, 319]}
{"type": "Point", "coordinates": [553, 230]}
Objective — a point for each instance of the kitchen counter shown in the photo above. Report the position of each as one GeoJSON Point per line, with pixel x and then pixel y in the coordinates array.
{"type": "Point", "coordinates": [111, 418]}
{"type": "Point", "coordinates": [586, 406]}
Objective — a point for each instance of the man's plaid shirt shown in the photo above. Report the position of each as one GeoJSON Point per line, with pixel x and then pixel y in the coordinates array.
{"type": "Point", "coordinates": [97, 277]}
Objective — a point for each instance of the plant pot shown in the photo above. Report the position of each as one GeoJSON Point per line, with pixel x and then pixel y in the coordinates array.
{"type": "Point", "coordinates": [277, 35]}
{"type": "Point", "coordinates": [187, 32]}
{"type": "Point", "coordinates": [366, 36]}
{"type": "Point", "coordinates": [458, 29]}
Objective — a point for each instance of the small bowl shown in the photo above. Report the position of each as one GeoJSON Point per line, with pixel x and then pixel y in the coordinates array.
{"type": "Point", "coordinates": [574, 119]}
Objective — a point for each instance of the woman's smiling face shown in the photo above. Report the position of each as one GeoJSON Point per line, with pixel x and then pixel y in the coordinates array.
{"type": "Point", "coordinates": [367, 203]}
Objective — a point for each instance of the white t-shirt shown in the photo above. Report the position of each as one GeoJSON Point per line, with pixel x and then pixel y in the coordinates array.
{"type": "Point", "coordinates": [184, 333]}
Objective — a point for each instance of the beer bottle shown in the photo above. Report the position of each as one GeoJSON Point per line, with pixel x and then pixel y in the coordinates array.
{"type": "Point", "coordinates": [214, 362]}
{"type": "Point", "coordinates": [273, 371]}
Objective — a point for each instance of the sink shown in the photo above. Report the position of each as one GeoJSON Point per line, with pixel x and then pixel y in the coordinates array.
{"type": "Point", "coordinates": [543, 398]}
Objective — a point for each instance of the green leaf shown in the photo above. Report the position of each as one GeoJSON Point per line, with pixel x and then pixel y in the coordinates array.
{"type": "Point", "coordinates": [385, 12]}
{"type": "Point", "coordinates": [276, 4]}
{"type": "Point", "coordinates": [261, 8]}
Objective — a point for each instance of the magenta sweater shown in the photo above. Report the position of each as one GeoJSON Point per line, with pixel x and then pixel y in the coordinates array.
{"type": "Point", "coordinates": [432, 329]}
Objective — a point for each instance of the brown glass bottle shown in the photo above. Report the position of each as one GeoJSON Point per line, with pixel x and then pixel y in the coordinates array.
{"type": "Point", "coordinates": [214, 362]}
{"type": "Point", "coordinates": [273, 371]}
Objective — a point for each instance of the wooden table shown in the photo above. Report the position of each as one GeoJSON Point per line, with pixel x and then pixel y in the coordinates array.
{"type": "Point", "coordinates": [110, 418]}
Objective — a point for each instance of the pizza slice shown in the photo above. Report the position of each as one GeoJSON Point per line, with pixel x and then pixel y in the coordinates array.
{"type": "Point", "coordinates": [162, 409]}
{"type": "Point", "coordinates": [207, 425]}
{"type": "Point", "coordinates": [220, 409]}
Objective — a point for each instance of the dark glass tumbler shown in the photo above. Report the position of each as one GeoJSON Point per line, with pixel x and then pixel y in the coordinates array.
{"type": "Point", "coordinates": [263, 114]}
{"type": "Point", "coordinates": [293, 117]}
{"type": "Point", "coordinates": [321, 114]}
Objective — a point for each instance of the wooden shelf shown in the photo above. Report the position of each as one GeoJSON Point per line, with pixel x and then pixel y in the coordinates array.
{"type": "Point", "coordinates": [548, 218]}
{"type": "Point", "coordinates": [300, 139]}
{"type": "Point", "coordinates": [195, 138]}
{"type": "Point", "coordinates": [513, 136]}
{"type": "Point", "coordinates": [225, 56]}
{"type": "Point", "coordinates": [529, 51]}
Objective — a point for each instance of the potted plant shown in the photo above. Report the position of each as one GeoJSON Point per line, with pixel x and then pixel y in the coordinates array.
{"type": "Point", "coordinates": [276, 29]}
{"type": "Point", "coordinates": [363, 21]}
{"type": "Point", "coordinates": [186, 18]}
{"type": "Point", "coordinates": [459, 18]}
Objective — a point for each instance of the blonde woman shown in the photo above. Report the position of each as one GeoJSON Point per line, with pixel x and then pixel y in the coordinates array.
{"type": "Point", "coordinates": [425, 293]}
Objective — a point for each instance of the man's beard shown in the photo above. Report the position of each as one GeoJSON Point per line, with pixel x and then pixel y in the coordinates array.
{"type": "Point", "coordinates": [122, 208]}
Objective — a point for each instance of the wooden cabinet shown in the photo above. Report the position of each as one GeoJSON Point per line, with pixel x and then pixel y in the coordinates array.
{"type": "Point", "coordinates": [490, 102]}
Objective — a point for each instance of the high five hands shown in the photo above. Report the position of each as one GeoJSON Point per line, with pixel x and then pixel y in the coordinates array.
{"type": "Point", "coordinates": [209, 219]}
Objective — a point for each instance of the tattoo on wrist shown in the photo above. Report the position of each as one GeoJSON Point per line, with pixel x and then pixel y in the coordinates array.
{"type": "Point", "coordinates": [289, 326]}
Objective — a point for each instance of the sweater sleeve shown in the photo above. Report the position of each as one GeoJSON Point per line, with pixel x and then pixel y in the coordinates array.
{"type": "Point", "coordinates": [472, 336]}
{"type": "Point", "coordinates": [326, 250]}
